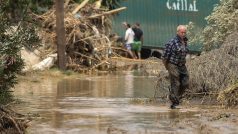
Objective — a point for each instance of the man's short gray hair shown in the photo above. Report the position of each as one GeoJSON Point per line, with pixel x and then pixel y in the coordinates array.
{"type": "Point", "coordinates": [181, 27]}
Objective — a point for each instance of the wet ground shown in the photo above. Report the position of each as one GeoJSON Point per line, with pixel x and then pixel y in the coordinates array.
{"type": "Point", "coordinates": [103, 104]}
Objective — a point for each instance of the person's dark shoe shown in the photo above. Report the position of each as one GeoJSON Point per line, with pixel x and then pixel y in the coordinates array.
{"type": "Point", "coordinates": [173, 106]}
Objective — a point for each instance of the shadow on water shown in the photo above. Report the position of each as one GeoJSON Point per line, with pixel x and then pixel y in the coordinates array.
{"type": "Point", "coordinates": [98, 105]}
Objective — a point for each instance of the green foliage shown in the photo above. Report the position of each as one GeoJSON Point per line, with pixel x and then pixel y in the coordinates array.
{"type": "Point", "coordinates": [68, 72]}
{"type": "Point", "coordinates": [12, 39]}
{"type": "Point", "coordinates": [28, 36]}
{"type": "Point", "coordinates": [222, 22]}
{"type": "Point", "coordinates": [10, 63]}
{"type": "Point", "coordinates": [15, 9]}
{"type": "Point", "coordinates": [5, 97]}
{"type": "Point", "coordinates": [19, 7]}
{"type": "Point", "coordinates": [40, 6]}
{"type": "Point", "coordinates": [192, 32]}
{"type": "Point", "coordinates": [110, 4]}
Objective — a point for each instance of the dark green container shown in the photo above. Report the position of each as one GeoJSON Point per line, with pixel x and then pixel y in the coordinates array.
{"type": "Point", "coordinates": [160, 18]}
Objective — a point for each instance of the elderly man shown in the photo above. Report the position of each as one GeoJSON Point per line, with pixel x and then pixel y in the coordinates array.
{"type": "Point", "coordinates": [174, 59]}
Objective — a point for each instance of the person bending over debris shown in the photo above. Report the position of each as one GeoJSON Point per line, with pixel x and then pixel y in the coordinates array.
{"type": "Point", "coordinates": [129, 38]}
{"type": "Point", "coordinates": [174, 59]}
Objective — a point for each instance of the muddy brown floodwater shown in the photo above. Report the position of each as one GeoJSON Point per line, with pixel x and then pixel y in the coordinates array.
{"type": "Point", "coordinates": [102, 105]}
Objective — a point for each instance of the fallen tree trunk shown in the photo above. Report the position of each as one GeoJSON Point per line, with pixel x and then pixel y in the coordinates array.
{"type": "Point", "coordinates": [108, 12]}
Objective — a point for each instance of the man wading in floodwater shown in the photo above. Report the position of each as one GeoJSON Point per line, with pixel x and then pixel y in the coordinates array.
{"type": "Point", "coordinates": [174, 59]}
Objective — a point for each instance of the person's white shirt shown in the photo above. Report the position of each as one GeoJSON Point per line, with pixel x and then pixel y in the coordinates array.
{"type": "Point", "coordinates": [129, 37]}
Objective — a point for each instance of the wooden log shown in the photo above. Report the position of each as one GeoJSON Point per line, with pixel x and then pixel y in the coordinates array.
{"type": "Point", "coordinates": [80, 6]}
{"type": "Point", "coordinates": [108, 12]}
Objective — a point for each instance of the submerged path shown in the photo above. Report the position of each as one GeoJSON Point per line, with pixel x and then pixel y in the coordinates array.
{"type": "Point", "coordinates": [103, 104]}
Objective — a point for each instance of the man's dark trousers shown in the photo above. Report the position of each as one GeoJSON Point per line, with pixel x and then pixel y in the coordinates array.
{"type": "Point", "coordinates": [179, 80]}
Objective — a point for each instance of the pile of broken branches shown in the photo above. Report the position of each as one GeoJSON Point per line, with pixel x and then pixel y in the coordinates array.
{"type": "Point", "coordinates": [214, 71]}
{"type": "Point", "coordinates": [11, 122]}
{"type": "Point", "coordinates": [229, 97]}
{"type": "Point", "coordinates": [87, 34]}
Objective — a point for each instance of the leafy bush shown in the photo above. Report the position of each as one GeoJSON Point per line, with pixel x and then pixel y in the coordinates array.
{"type": "Point", "coordinates": [10, 64]}
{"type": "Point", "coordinates": [222, 22]}
{"type": "Point", "coordinates": [12, 39]}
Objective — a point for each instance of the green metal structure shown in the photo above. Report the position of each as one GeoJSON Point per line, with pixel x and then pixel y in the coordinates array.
{"type": "Point", "coordinates": [160, 18]}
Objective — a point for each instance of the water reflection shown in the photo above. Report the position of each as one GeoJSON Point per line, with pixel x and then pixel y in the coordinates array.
{"type": "Point", "coordinates": [95, 105]}
{"type": "Point", "coordinates": [125, 85]}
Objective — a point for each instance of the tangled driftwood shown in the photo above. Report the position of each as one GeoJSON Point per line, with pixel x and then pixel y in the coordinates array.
{"type": "Point", "coordinates": [216, 70]}
{"type": "Point", "coordinates": [87, 34]}
{"type": "Point", "coordinates": [229, 97]}
{"type": "Point", "coordinates": [11, 122]}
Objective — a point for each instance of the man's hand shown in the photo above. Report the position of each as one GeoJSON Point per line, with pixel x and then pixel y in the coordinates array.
{"type": "Point", "coordinates": [165, 62]}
